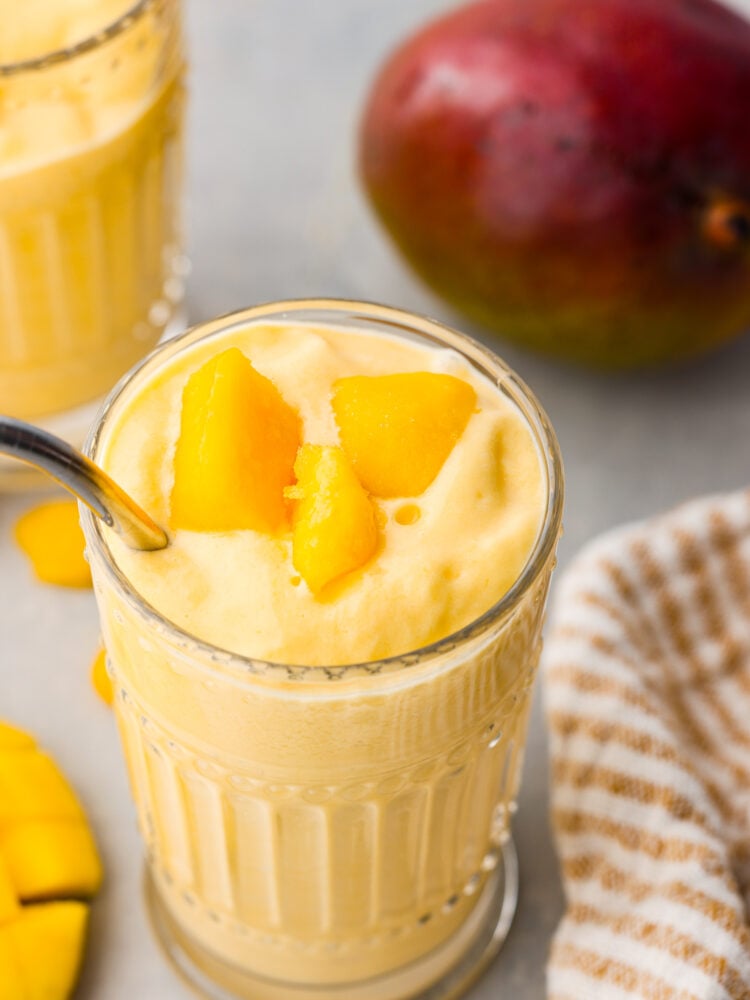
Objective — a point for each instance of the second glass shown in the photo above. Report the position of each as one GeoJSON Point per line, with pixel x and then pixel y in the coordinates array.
{"type": "Point", "coordinates": [90, 193]}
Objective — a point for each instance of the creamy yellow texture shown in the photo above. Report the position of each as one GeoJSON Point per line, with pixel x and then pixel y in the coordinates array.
{"type": "Point", "coordinates": [477, 521]}
{"type": "Point", "coordinates": [89, 180]}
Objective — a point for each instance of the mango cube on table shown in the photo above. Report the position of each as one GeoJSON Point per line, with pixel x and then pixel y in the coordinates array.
{"type": "Point", "coordinates": [41, 951]}
{"type": "Point", "coordinates": [51, 537]}
{"type": "Point", "coordinates": [100, 679]}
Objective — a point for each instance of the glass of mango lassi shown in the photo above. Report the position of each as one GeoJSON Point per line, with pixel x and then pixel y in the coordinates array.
{"type": "Point", "coordinates": [323, 683]}
{"type": "Point", "coordinates": [90, 186]}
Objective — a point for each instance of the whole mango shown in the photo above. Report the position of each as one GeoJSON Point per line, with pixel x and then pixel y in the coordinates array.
{"type": "Point", "coordinates": [574, 174]}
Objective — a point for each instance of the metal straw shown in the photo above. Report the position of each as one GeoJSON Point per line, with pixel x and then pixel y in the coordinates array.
{"type": "Point", "coordinates": [80, 476]}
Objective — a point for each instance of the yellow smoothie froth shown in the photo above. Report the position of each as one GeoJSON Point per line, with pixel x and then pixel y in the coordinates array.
{"type": "Point", "coordinates": [445, 556]}
{"type": "Point", "coordinates": [39, 123]}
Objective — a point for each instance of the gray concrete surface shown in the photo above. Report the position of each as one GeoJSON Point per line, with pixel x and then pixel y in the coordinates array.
{"type": "Point", "coordinates": [275, 212]}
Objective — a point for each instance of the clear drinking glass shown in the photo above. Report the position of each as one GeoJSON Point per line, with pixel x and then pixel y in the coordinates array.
{"type": "Point", "coordinates": [91, 237]}
{"type": "Point", "coordinates": [337, 832]}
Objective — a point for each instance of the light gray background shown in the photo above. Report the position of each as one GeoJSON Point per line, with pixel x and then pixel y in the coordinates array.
{"type": "Point", "coordinates": [274, 208]}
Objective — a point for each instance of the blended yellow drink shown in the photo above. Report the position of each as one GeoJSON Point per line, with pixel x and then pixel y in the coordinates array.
{"type": "Point", "coordinates": [90, 137]}
{"type": "Point", "coordinates": [323, 682]}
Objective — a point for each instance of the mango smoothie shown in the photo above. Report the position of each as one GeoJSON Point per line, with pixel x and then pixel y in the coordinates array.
{"type": "Point", "coordinates": [90, 137]}
{"type": "Point", "coordinates": [324, 715]}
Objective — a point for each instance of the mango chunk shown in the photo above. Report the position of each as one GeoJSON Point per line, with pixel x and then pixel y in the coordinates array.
{"type": "Point", "coordinates": [14, 739]}
{"type": "Point", "coordinates": [398, 430]}
{"type": "Point", "coordinates": [9, 906]}
{"type": "Point", "coordinates": [100, 679]}
{"type": "Point", "coordinates": [11, 984]}
{"type": "Point", "coordinates": [32, 787]}
{"type": "Point", "coordinates": [51, 536]}
{"type": "Point", "coordinates": [52, 859]}
{"type": "Point", "coordinates": [335, 526]}
{"type": "Point", "coordinates": [47, 852]}
{"type": "Point", "coordinates": [236, 450]}
{"type": "Point", "coordinates": [48, 942]}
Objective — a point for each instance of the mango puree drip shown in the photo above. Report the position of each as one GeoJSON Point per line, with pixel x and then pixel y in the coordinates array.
{"type": "Point", "coordinates": [89, 187]}
{"type": "Point", "coordinates": [325, 825]}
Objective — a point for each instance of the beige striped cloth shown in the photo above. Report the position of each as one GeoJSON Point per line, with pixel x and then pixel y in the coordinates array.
{"type": "Point", "coordinates": [647, 693]}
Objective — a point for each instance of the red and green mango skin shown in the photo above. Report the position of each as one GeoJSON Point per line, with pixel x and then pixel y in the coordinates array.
{"type": "Point", "coordinates": [549, 167]}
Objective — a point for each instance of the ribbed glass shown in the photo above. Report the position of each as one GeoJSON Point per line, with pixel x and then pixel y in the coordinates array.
{"type": "Point", "coordinates": [324, 826]}
{"type": "Point", "coordinates": [90, 197]}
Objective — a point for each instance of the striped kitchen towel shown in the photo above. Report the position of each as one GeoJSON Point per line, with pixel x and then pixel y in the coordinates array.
{"type": "Point", "coordinates": [647, 691]}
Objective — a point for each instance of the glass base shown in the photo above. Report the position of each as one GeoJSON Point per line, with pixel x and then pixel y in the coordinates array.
{"type": "Point", "coordinates": [443, 974]}
{"type": "Point", "coordinates": [72, 426]}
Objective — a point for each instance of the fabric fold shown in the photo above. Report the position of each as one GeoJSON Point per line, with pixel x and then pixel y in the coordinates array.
{"type": "Point", "coordinates": [647, 695]}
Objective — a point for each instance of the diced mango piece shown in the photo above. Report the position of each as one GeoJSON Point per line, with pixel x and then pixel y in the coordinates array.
{"type": "Point", "coordinates": [14, 739]}
{"type": "Point", "coordinates": [11, 984]}
{"type": "Point", "coordinates": [100, 678]}
{"type": "Point", "coordinates": [236, 450]}
{"type": "Point", "coordinates": [335, 523]}
{"type": "Point", "coordinates": [399, 429]}
{"type": "Point", "coordinates": [8, 898]}
{"type": "Point", "coordinates": [46, 851]}
{"type": "Point", "coordinates": [51, 537]}
{"type": "Point", "coordinates": [32, 787]}
{"type": "Point", "coordinates": [48, 942]}
{"type": "Point", "coordinates": [52, 859]}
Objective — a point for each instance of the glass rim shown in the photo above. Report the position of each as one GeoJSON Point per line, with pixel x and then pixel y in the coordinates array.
{"type": "Point", "coordinates": [134, 12]}
{"type": "Point", "coordinates": [480, 357]}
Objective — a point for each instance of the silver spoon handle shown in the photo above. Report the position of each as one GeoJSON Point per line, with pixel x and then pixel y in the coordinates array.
{"type": "Point", "coordinates": [80, 476]}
